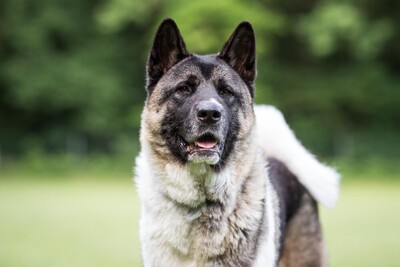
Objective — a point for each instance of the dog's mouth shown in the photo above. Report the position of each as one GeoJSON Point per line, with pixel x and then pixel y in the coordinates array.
{"type": "Point", "coordinates": [205, 142]}
{"type": "Point", "coordinates": [206, 148]}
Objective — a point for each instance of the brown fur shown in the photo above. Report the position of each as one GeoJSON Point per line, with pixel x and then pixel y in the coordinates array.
{"type": "Point", "coordinates": [304, 245]}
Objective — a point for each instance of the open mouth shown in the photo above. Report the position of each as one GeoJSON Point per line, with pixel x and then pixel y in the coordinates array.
{"type": "Point", "coordinates": [205, 142]}
{"type": "Point", "coordinates": [205, 148]}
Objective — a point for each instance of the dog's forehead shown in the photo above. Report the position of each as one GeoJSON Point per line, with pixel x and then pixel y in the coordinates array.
{"type": "Point", "coordinates": [207, 66]}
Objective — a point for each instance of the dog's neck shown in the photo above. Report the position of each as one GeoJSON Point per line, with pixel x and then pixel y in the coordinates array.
{"type": "Point", "coordinates": [198, 203]}
{"type": "Point", "coordinates": [196, 184]}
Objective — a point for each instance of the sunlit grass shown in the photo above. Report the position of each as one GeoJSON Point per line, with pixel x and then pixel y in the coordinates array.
{"type": "Point", "coordinates": [89, 221]}
{"type": "Point", "coordinates": [70, 222]}
{"type": "Point", "coordinates": [363, 230]}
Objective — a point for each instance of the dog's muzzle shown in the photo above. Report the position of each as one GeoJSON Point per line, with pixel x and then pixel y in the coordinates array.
{"type": "Point", "coordinates": [207, 148]}
{"type": "Point", "coordinates": [206, 144]}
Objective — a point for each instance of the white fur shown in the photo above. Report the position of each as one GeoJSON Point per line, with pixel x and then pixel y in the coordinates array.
{"type": "Point", "coordinates": [166, 236]}
{"type": "Point", "coordinates": [268, 251]}
{"type": "Point", "coordinates": [278, 141]}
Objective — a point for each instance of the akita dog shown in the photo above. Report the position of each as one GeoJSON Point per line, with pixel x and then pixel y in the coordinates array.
{"type": "Point", "coordinates": [223, 182]}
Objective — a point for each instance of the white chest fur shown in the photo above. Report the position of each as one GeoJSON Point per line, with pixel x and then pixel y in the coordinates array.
{"type": "Point", "coordinates": [178, 228]}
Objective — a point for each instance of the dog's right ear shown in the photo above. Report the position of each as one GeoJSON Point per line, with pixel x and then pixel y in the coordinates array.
{"type": "Point", "coordinates": [168, 49]}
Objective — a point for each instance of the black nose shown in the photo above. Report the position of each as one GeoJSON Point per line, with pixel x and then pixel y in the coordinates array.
{"type": "Point", "coordinates": [209, 112]}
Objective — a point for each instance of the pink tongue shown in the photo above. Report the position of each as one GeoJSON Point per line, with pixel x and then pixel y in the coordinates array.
{"type": "Point", "coordinates": [206, 144]}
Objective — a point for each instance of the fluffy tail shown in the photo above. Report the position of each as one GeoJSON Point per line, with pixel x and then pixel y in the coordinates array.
{"type": "Point", "coordinates": [278, 141]}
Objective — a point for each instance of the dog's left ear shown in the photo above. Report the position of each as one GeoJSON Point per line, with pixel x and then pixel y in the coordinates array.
{"type": "Point", "coordinates": [240, 53]}
{"type": "Point", "coordinates": [168, 49]}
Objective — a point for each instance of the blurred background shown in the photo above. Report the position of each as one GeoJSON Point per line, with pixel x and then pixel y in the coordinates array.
{"type": "Point", "coordinates": [72, 77]}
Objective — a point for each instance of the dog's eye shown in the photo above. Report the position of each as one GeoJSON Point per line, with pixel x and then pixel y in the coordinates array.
{"type": "Point", "coordinates": [225, 92]}
{"type": "Point", "coordinates": [183, 89]}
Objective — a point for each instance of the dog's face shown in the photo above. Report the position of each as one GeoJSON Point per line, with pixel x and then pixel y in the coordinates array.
{"type": "Point", "coordinates": [199, 107]}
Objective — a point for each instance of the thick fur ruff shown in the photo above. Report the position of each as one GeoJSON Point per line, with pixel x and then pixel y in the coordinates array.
{"type": "Point", "coordinates": [172, 209]}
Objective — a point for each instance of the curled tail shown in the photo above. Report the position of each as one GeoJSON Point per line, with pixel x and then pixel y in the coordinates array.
{"type": "Point", "coordinates": [278, 141]}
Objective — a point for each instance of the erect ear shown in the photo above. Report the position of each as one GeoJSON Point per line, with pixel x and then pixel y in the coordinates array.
{"type": "Point", "coordinates": [168, 49]}
{"type": "Point", "coordinates": [240, 53]}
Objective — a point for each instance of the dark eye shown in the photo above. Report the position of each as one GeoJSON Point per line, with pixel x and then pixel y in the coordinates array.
{"type": "Point", "coordinates": [183, 89]}
{"type": "Point", "coordinates": [225, 92]}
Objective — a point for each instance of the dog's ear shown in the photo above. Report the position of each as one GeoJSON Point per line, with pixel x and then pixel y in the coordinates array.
{"type": "Point", "coordinates": [240, 53]}
{"type": "Point", "coordinates": [168, 49]}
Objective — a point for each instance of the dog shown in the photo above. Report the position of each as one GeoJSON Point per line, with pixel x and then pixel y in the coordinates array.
{"type": "Point", "coordinates": [222, 182]}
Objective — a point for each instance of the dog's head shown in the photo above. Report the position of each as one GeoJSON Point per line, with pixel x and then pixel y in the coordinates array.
{"type": "Point", "coordinates": [199, 107]}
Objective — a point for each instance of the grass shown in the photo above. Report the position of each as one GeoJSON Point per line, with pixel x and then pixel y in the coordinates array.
{"type": "Point", "coordinates": [74, 222]}
{"type": "Point", "coordinates": [83, 220]}
{"type": "Point", "coordinates": [363, 229]}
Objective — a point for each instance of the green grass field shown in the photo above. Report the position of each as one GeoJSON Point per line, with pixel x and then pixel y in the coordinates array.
{"type": "Point", "coordinates": [82, 221]}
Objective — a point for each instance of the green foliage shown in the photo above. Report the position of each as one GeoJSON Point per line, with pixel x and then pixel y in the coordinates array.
{"type": "Point", "coordinates": [333, 25]}
{"type": "Point", "coordinates": [72, 73]}
{"type": "Point", "coordinates": [352, 110]}
{"type": "Point", "coordinates": [62, 78]}
{"type": "Point", "coordinates": [113, 15]}
{"type": "Point", "coordinates": [210, 24]}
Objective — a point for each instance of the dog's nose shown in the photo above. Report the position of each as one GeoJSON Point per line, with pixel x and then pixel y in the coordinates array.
{"type": "Point", "coordinates": [209, 111]}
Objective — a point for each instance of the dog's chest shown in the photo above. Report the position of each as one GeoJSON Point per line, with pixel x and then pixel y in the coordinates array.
{"type": "Point", "coordinates": [221, 232]}
{"type": "Point", "coordinates": [207, 237]}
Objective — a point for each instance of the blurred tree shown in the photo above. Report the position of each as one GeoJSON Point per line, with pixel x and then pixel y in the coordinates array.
{"type": "Point", "coordinates": [72, 72]}
{"type": "Point", "coordinates": [62, 78]}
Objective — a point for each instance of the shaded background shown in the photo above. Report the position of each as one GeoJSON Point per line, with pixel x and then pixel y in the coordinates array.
{"type": "Point", "coordinates": [72, 72]}
{"type": "Point", "coordinates": [72, 77]}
